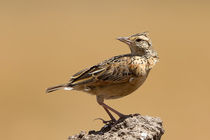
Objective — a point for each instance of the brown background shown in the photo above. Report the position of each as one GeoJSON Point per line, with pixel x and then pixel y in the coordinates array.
{"type": "Point", "coordinates": [42, 43]}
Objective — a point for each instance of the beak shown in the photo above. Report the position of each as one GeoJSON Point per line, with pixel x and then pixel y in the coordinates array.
{"type": "Point", "coordinates": [126, 40]}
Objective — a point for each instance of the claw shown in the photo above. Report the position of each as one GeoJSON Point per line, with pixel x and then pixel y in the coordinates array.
{"type": "Point", "coordinates": [105, 122]}
{"type": "Point", "coordinates": [101, 120]}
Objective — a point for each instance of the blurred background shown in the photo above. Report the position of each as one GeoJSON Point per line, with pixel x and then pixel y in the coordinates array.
{"type": "Point", "coordinates": [42, 43]}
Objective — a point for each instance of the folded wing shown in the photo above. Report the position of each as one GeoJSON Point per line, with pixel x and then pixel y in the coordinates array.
{"type": "Point", "coordinates": [116, 70]}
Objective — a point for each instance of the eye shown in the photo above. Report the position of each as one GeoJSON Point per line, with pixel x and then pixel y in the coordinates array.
{"type": "Point", "coordinates": [138, 40]}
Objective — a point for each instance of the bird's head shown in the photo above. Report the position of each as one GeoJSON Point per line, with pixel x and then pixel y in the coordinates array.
{"type": "Point", "coordinates": [138, 43]}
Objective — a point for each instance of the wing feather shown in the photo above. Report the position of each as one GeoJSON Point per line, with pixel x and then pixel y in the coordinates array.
{"type": "Point", "coordinates": [115, 70]}
{"type": "Point", "coordinates": [87, 75]}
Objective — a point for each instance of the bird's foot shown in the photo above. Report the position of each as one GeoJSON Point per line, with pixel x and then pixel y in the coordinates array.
{"type": "Point", "coordinates": [110, 122]}
{"type": "Point", "coordinates": [123, 117]}
{"type": "Point", "coordinates": [107, 127]}
{"type": "Point", "coordinates": [113, 122]}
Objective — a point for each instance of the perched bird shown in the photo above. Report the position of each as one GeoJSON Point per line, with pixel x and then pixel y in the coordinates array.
{"type": "Point", "coordinates": [118, 76]}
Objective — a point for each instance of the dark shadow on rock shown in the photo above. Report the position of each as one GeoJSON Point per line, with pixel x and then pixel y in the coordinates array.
{"type": "Point", "coordinates": [108, 126]}
{"type": "Point", "coordinates": [131, 127]}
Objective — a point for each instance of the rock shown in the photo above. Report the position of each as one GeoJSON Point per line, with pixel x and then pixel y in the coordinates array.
{"type": "Point", "coordinates": [133, 127]}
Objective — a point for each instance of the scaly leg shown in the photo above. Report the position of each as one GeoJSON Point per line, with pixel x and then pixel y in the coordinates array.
{"type": "Point", "coordinates": [113, 110]}
{"type": "Point", "coordinates": [110, 115]}
{"type": "Point", "coordinates": [107, 108]}
{"type": "Point", "coordinates": [113, 120]}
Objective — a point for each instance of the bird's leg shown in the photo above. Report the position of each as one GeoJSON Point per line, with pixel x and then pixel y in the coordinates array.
{"type": "Point", "coordinates": [112, 121]}
{"type": "Point", "coordinates": [100, 100]}
{"type": "Point", "coordinates": [113, 110]}
{"type": "Point", "coordinates": [107, 108]}
{"type": "Point", "coordinates": [110, 115]}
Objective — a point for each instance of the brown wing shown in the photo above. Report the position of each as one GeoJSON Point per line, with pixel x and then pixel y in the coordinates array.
{"type": "Point", "coordinates": [87, 75]}
{"type": "Point", "coordinates": [118, 72]}
{"type": "Point", "coordinates": [115, 70]}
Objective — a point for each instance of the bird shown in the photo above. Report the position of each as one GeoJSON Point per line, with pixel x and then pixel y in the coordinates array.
{"type": "Point", "coordinates": [118, 76]}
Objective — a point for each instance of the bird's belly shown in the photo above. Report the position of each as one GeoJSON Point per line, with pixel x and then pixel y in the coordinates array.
{"type": "Point", "coordinates": [119, 90]}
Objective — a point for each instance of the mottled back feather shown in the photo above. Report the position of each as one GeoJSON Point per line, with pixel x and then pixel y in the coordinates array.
{"type": "Point", "coordinates": [114, 70]}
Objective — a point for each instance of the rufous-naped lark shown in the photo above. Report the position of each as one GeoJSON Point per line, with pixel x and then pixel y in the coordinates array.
{"type": "Point", "coordinates": [118, 76]}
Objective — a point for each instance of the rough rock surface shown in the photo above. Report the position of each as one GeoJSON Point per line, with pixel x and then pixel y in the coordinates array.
{"type": "Point", "coordinates": [133, 127]}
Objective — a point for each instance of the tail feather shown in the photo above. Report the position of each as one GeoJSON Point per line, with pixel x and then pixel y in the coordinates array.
{"type": "Point", "coordinates": [51, 89]}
